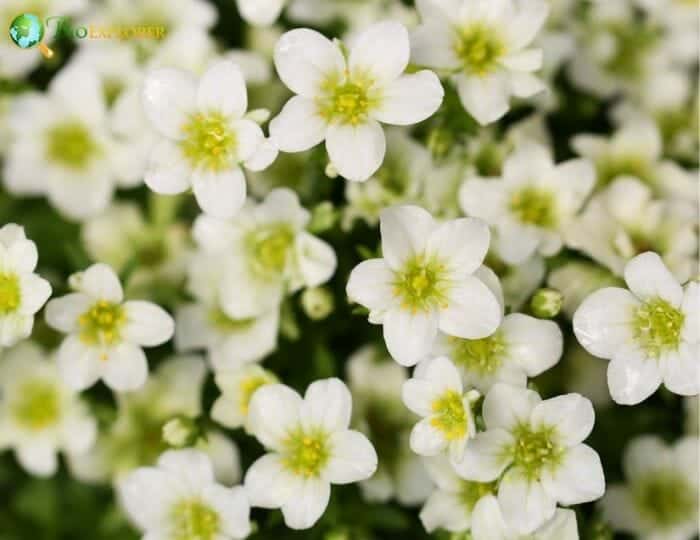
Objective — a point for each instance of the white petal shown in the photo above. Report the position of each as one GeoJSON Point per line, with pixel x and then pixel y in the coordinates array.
{"type": "Point", "coordinates": [147, 324]}
{"type": "Point", "coordinates": [232, 507]}
{"type": "Point", "coordinates": [34, 292]}
{"type": "Point", "coordinates": [506, 406]}
{"type": "Point", "coordinates": [444, 510]}
{"type": "Point", "coordinates": [102, 283]}
{"type": "Point", "coordinates": [525, 505]}
{"type": "Point", "coordinates": [316, 259]}
{"type": "Point", "coordinates": [356, 151]}
{"type": "Point", "coordinates": [189, 466]}
{"type": "Point", "coordinates": [38, 458]}
{"type": "Point", "coordinates": [353, 458]}
{"type": "Point", "coordinates": [169, 95]}
{"type": "Point", "coordinates": [405, 231]}
{"type": "Point", "coordinates": [409, 337]}
{"type": "Point", "coordinates": [272, 411]}
{"type": "Point", "coordinates": [528, 60]}
{"type": "Point", "coordinates": [370, 284]}
{"type": "Point", "coordinates": [78, 431]}
{"type": "Point", "coordinates": [22, 256]}
{"type": "Point", "coordinates": [427, 440]}
{"type": "Point", "coordinates": [562, 526]}
{"type": "Point", "coordinates": [463, 243]}
{"type": "Point", "coordinates": [647, 277]}
{"type": "Point", "coordinates": [410, 99]}
{"type": "Point", "coordinates": [304, 58]}
{"type": "Point", "coordinates": [577, 479]}
{"type": "Point", "coordinates": [78, 365]}
{"type": "Point", "coordinates": [382, 50]}
{"type": "Point", "coordinates": [484, 199]}
{"type": "Point", "coordinates": [522, 27]}
{"type": "Point", "coordinates": [534, 343]}
{"type": "Point", "coordinates": [264, 156]}
{"type": "Point", "coordinates": [222, 89]}
{"type": "Point", "coordinates": [473, 311]}
{"type": "Point", "coordinates": [619, 508]}
{"type": "Point", "coordinates": [432, 44]}
{"type": "Point", "coordinates": [572, 415]}
{"type": "Point", "coordinates": [77, 88]}
{"type": "Point", "coordinates": [327, 405]}
{"type": "Point", "coordinates": [62, 313]}
{"type": "Point", "coordinates": [691, 310]}
{"type": "Point", "coordinates": [633, 379]}
{"type": "Point", "coordinates": [298, 126]}
{"type": "Point", "coordinates": [485, 98]}
{"type": "Point", "coordinates": [220, 194]}
{"type": "Point", "coordinates": [487, 521]}
{"type": "Point", "coordinates": [485, 457]}
{"type": "Point", "coordinates": [526, 85]}
{"type": "Point", "coordinates": [269, 483]}
{"type": "Point", "coordinates": [167, 172]}
{"type": "Point", "coordinates": [125, 368]}
{"type": "Point", "coordinates": [144, 494]}
{"type": "Point", "coordinates": [260, 12]}
{"type": "Point", "coordinates": [418, 395]}
{"type": "Point", "coordinates": [682, 370]}
{"type": "Point", "coordinates": [304, 509]}
{"type": "Point", "coordinates": [249, 137]}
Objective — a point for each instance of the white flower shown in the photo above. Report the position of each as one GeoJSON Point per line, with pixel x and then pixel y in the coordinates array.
{"type": "Point", "coordinates": [649, 332]}
{"type": "Point", "coordinates": [522, 347]}
{"type": "Point", "coordinates": [260, 12]}
{"type": "Point", "coordinates": [205, 135]}
{"type": "Point", "coordinates": [436, 394]}
{"type": "Point", "coordinates": [310, 447]}
{"type": "Point", "coordinates": [266, 253]}
{"type": "Point", "coordinates": [61, 145]}
{"type": "Point", "coordinates": [22, 292]}
{"type": "Point", "coordinates": [38, 414]}
{"type": "Point", "coordinates": [660, 498]}
{"type": "Point", "coordinates": [343, 100]}
{"type": "Point", "coordinates": [426, 282]}
{"type": "Point", "coordinates": [483, 45]}
{"type": "Point", "coordinates": [179, 498]}
{"type": "Point", "coordinates": [237, 389]}
{"type": "Point", "coordinates": [532, 203]}
{"type": "Point", "coordinates": [105, 334]}
{"type": "Point", "coordinates": [538, 444]}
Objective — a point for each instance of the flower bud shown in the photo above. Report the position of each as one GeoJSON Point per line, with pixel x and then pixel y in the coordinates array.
{"type": "Point", "coordinates": [546, 303]}
{"type": "Point", "coordinates": [317, 303]}
{"type": "Point", "coordinates": [180, 432]}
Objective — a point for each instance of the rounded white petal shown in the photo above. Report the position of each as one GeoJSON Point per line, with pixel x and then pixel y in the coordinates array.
{"type": "Point", "coordinates": [432, 44]}
{"type": "Point", "coordinates": [327, 405]}
{"type": "Point", "coordinates": [191, 467]}
{"type": "Point", "coordinates": [647, 277]}
{"type": "Point", "coordinates": [78, 365]}
{"type": "Point", "coordinates": [34, 292]}
{"type": "Point", "coordinates": [145, 495]}
{"type": "Point", "coordinates": [482, 198]}
{"type": "Point", "coordinates": [269, 483]}
{"type": "Point", "coordinates": [427, 440]}
{"type": "Point", "coordinates": [506, 406]}
{"type": "Point", "coordinates": [125, 367]}
{"type": "Point", "coordinates": [353, 458]}
{"type": "Point", "coordinates": [405, 231]}
{"type": "Point", "coordinates": [78, 431]}
{"type": "Point", "coordinates": [682, 370]}
{"type": "Point", "coordinates": [298, 126]}
{"type": "Point", "coordinates": [633, 379]}
{"type": "Point", "coordinates": [101, 283]}
{"type": "Point", "coordinates": [572, 415]}
{"type": "Point", "coordinates": [167, 171]}
{"type": "Point", "coordinates": [306, 507]}
{"type": "Point", "coordinates": [220, 194]}
{"type": "Point", "coordinates": [522, 27]}
{"type": "Point", "coordinates": [525, 505]}
{"type": "Point", "coordinates": [316, 259]}
{"type": "Point", "coordinates": [356, 151]}
{"type": "Point", "coordinates": [410, 99]}
{"type": "Point", "coordinates": [577, 479]}
{"type": "Point", "coordinates": [618, 507]}
{"type": "Point", "coordinates": [642, 454]}
{"type": "Point", "coordinates": [444, 510]}
{"type": "Point", "coordinates": [485, 457]}
{"type": "Point", "coordinates": [473, 311]}
{"type": "Point", "coordinates": [462, 243]}
{"type": "Point", "coordinates": [382, 50]}
{"type": "Point", "coordinates": [231, 504]}
{"type": "Point", "coordinates": [485, 98]}
{"type": "Point", "coordinates": [38, 458]}
{"type": "Point", "coordinates": [409, 337]}
{"type": "Point", "coordinates": [147, 324]}
{"type": "Point", "coordinates": [272, 411]}
{"type": "Point", "coordinates": [534, 343]}
{"type": "Point", "coordinates": [562, 526]}
{"type": "Point", "coordinates": [62, 313]}
{"type": "Point", "coordinates": [21, 255]}
{"type": "Point", "coordinates": [487, 521]}
{"type": "Point", "coordinates": [222, 88]}
{"type": "Point", "coordinates": [260, 12]}
{"type": "Point", "coordinates": [370, 284]}
{"type": "Point", "coordinates": [169, 95]}
{"type": "Point", "coordinates": [691, 311]}
{"type": "Point", "coordinates": [418, 395]}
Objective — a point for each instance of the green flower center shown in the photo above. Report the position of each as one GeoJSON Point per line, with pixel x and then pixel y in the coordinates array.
{"type": "Point", "coordinates": [479, 48]}
{"type": "Point", "coordinates": [306, 454]}
{"type": "Point", "coordinates": [657, 326]}
{"type": "Point", "coordinates": [38, 405]}
{"type": "Point", "coordinates": [612, 166]}
{"type": "Point", "coordinates": [10, 293]}
{"type": "Point", "coordinates": [535, 206]}
{"type": "Point", "coordinates": [348, 102]}
{"type": "Point", "coordinates": [226, 324]}
{"type": "Point", "coordinates": [483, 356]}
{"type": "Point", "coordinates": [71, 145]}
{"type": "Point", "coordinates": [633, 43]}
{"type": "Point", "coordinates": [269, 247]}
{"type": "Point", "coordinates": [471, 492]}
{"type": "Point", "coordinates": [102, 323]}
{"type": "Point", "coordinates": [449, 415]}
{"type": "Point", "coordinates": [534, 451]}
{"type": "Point", "coordinates": [423, 284]}
{"type": "Point", "coordinates": [209, 142]}
{"type": "Point", "coordinates": [665, 498]}
{"type": "Point", "coordinates": [194, 520]}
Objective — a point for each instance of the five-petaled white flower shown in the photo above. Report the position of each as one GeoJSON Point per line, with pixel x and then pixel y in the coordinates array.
{"type": "Point", "coordinates": [483, 45]}
{"type": "Point", "coordinates": [342, 100]}
{"type": "Point", "coordinates": [206, 136]}
{"type": "Point", "coordinates": [105, 334]}
{"type": "Point", "coordinates": [22, 292]}
{"type": "Point", "coordinates": [532, 203]}
{"type": "Point", "coordinates": [539, 446]}
{"type": "Point", "coordinates": [435, 392]}
{"type": "Point", "coordinates": [39, 415]}
{"type": "Point", "coordinates": [650, 333]}
{"type": "Point", "coordinates": [180, 498]}
{"type": "Point", "coordinates": [310, 447]}
{"type": "Point", "coordinates": [426, 282]}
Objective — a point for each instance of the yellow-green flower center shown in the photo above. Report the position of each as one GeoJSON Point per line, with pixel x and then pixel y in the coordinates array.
{"type": "Point", "coordinates": [209, 142]}
{"type": "Point", "coordinates": [633, 42]}
{"type": "Point", "coordinates": [665, 498]}
{"type": "Point", "coordinates": [450, 416]}
{"type": "Point", "coordinates": [535, 450]}
{"type": "Point", "coordinates": [226, 324]}
{"type": "Point", "coordinates": [10, 293]}
{"type": "Point", "coordinates": [102, 323]}
{"type": "Point", "coordinates": [483, 356]}
{"type": "Point", "coordinates": [269, 248]}
{"type": "Point", "coordinates": [422, 284]}
{"type": "Point", "coordinates": [71, 145]}
{"type": "Point", "coordinates": [347, 102]}
{"type": "Point", "coordinates": [194, 520]}
{"type": "Point", "coordinates": [38, 405]}
{"type": "Point", "coordinates": [479, 48]}
{"type": "Point", "coordinates": [535, 206]}
{"type": "Point", "coordinates": [471, 492]}
{"type": "Point", "coordinates": [657, 327]}
{"type": "Point", "coordinates": [612, 166]}
{"type": "Point", "coordinates": [305, 454]}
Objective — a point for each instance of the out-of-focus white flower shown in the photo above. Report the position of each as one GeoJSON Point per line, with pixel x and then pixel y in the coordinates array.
{"type": "Point", "coordinates": [343, 100]}
{"type": "Point", "coordinates": [435, 393]}
{"type": "Point", "coordinates": [578, 279]}
{"type": "Point", "coordinates": [660, 498]}
{"type": "Point", "coordinates": [649, 332]}
{"type": "Point", "coordinates": [61, 146]}
{"type": "Point", "coordinates": [22, 292]}
{"type": "Point", "coordinates": [179, 498]}
{"type": "Point", "coordinates": [266, 253]}
{"type": "Point", "coordinates": [483, 45]}
{"type": "Point", "coordinates": [260, 12]}
{"type": "Point", "coordinates": [624, 220]}
{"type": "Point", "coordinates": [538, 444]}
{"type": "Point", "coordinates": [586, 376]}
{"type": "Point", "coordinates": [310, 447]}
{"type": "Point", "coordinates": [205, 136]}
{"type": "Point", "coordinates": [237, 389]}
{"type": "Point", "coordinates": [425, 282]}
{"type": "Point", "coordinates": [105, 334]}
{"type": "Point", "coordinates": [681, 29]}
{"type": "Point", "coordinates": [38, 414]}
{"type": "Point", "coordinates": [532, 203]}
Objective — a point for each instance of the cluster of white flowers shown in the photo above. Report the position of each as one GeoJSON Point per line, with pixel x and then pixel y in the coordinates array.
{"type": "Point", "coordinates": [191, 210]}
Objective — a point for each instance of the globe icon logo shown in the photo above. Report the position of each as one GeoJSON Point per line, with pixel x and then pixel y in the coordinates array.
{"type": "Point", "coordinates": [27, 31]}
